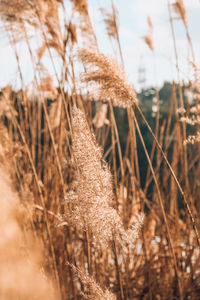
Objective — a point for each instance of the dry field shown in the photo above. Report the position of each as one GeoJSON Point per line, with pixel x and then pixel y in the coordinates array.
{"type": "Point", "coordinates": [78, 217]}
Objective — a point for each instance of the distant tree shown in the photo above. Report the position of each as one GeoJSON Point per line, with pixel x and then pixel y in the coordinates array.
{"type": "Point", "coordinates": [165, 92]}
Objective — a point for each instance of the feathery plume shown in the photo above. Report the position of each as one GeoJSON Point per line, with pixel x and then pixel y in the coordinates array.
{"type": "Point", "coordinates": [6, 108]}
{"type": "Point", "coordinates": [179, 8]}
{"type": "Point", "coordinates": [47, 87]}
{"type": "Point", "coordinates": [15, 11]}
{"type": "Point", "coordinates": [192, 139]}
{"type": "Point", "coordinates": [71, 33]}
{"type": "Point", "coordinates": [18, 11]}
{"type": "Point", "coordinates": [191, 116]}
{"type": "Point", "coordinates": [92, 193]}
{"type": "Point", "coordinates": [149, 37]}
{"type": "Point", "coordinates": [107, 79]}
{"type": "Point", "coordinates": [111, 22]}
{"type": "Point", "coordinates": [149, 22]}
{"type": "Point", "coordinates": [87, 32]}
{"type": "Point", "coordinates": [20, 17]}
{"type": "Point", "coordinates": [81, 6]}
{"type": "Point", "coordinates": [92, 290]}
{"type": "Point", "coordinates": [195, 84]}
{"type": "Point", "coordinates": [50, 22]}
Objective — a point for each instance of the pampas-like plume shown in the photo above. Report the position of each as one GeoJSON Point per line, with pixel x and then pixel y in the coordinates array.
{"type": "Point", "coordinates": [6, 108]}
{"type": "Point", "coordinates": [81, 6]}
{"type": "Point", "coordinates": [111, 22]}
{"type": "Point", "coordinates": [46, 86]}
{"type": "Point", "coordinates": [192, 116]}
{"type": "Point", "coordinates": [107, 79]}
{"type": "Point", "coordinates": [149, 37]}
{"type": "Point", "coordinates": [92, 290]}
{"type": "Point", "coordinates": [85, 26]}
{"type": "Point", "coordinates": [17, 11]}
{"type": "Point", "coordinates": [92, 193]}
{"type": "Point", "coordinates": [71, 33]}
{"type": "Point", "coordinates": [19, 16]}
{"type": "Point", "coordinates": [179, 8]}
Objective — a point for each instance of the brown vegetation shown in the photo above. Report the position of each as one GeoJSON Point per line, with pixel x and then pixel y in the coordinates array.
{"type": "Point", "coordinates": [72, 200]}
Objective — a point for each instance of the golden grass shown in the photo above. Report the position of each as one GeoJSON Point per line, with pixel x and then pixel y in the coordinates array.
{"type": "Point", "coordinates": [21, 274]}
{"type": "Point", "coordinates": [73, 185]}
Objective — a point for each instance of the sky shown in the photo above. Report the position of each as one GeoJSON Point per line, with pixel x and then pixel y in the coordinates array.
{"type": "Point", "coordinates": [158, 66]}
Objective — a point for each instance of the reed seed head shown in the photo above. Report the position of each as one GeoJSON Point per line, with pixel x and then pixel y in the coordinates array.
{"type": "Point", "coordinates": [179, 8]}
{"type": "Point", "coordinates": [106, 79]}
{"type": "Point", "coordinates": [92, 290]}
{"type": "Point", "coordinates": [92, 194]}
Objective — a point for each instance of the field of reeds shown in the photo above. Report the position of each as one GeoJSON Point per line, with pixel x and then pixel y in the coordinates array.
{"type": "Point", "coordinates": [89, 207]}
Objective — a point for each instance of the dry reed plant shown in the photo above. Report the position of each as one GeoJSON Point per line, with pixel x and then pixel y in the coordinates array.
{"type": "Point", "coordinates": [191, 116]}
{"type": "Point", "coordinates": [52, 149]}
{"type": "Point", "coordinates": [84, 24]}
{"type": "Point", "coordinates": [47, 87]}
{"type": "Point", "coordinates": [51, 29]}
{"type": "Point", "coordinates": [6, 109]}
{"type": "Point", "coordinates": [81, 6]}
{"type": "Point", "coordinates": [179, 8]}
{"type": "Point", "coordinates": [72, 35]}
{"type": "Point", "coordinates": [22, 19]}
{"type": "Point", "coordinates": [149, 37]}
{"type": "Point", "coordinates": [92, 290]}
{"type": "Point", "coordinates": [100, 118]}
{"type": "Point", "coordinates": [106, 78]}
{"type": "Point", "coordinates": [92, 194]}
{"type": "Point", "coordinates": [55, 113]}
{"type": "Point", "coordinates": [15, 13]}
{"type": "Point", "coordinates": [111, 22]}
{"type": "Point", "coordinates": [21, 275]}
{"type": "Point", "coordinates": [18, 13]}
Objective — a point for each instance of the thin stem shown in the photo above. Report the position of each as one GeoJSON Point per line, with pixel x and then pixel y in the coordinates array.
{"type": "Point", "coordinates": [161, 205]}
{"type": "Point", "coordinates": [118, 270]}
{"type": "Point", "coordinates": [42, 204]}
{"type": "Point", "coordinates": [173, 174]}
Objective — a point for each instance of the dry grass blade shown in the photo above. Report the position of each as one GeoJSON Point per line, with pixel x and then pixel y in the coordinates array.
{"type": "Point", "coordinates": [50, 154]}
{"type": "Point", "coordinates": [55, 113]}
